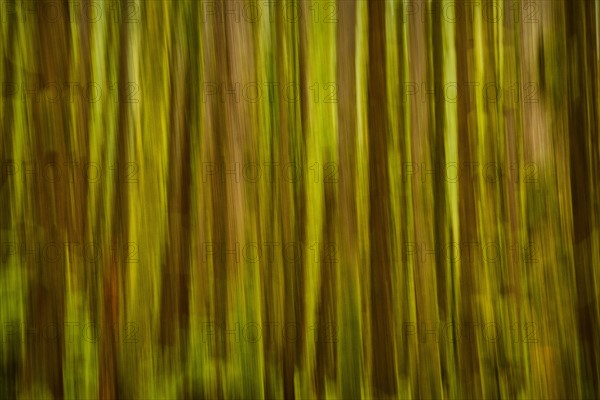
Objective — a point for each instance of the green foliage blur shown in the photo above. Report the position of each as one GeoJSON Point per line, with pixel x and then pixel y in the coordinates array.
{"type": "Point", "coordinates": [299, 199]}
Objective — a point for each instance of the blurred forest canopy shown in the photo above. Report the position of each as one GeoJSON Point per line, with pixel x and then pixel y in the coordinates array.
{"type": "Point", "coordinates": [311, 199]}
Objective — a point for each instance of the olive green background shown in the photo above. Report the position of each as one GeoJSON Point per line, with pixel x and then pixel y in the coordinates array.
{"type": "Point", "coordinates": [265, 204]}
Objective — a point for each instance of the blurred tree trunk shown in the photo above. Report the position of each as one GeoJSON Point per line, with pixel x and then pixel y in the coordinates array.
{"type": "Point", "coordinates": [174, 302]}
{"type": "Point", "coordinates": [467, 136]}
{"type": "Point", "coordinates": [50, 207]}
{"type": "Point", "coordinates": [381, 313]}
{"type": "Point", "coordinates": [349, 345]}
{"type": "Point", "coordinates": [583, 142]}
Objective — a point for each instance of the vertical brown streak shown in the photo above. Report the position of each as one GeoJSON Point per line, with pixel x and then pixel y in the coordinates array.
{"type": "Point", "coordinates": [7, 124]}
{"type": "Point", "coordinates": [219, 190]}
{"type": "Point", "coordinates": [438, 157]}
{"type": "Point", "coordinates": [326, 350]}
{"type": "Point", "coordinates": [47, 294]}
{"type": "Point", "coordinates": [77, 152]}
{"type": "Point", "coordinates": [288, 207]}
{"type": "Point", "coordinates": [213, 62]}
{"type": "Point", "coordinates": [89, 274]}
{"type": "Point", "coordinates": [592, 63]}
{"type": "Point", "coordinates": [108, 342]}
{"type": "Point", "coordinates": [468, 221]}
{"type": "Point", "coordinates": [109, 377]}
{"type": "Point", "coordinates": [422, 146]}
{"type": "Point", "coordinates": [577, 124]}
{"type": "Point", "coordinates": [383, 368]}
{"type": "Point", "coordinates": [175, 286]}
{"type": "Point", "coordinates": [185, 204]}
{"type": "Point", "coordinates": [582, 127]}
